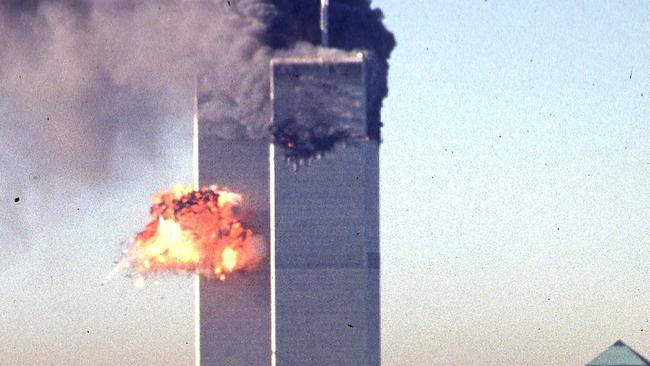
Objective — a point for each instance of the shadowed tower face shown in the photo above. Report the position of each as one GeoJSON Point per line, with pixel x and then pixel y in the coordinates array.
{"type": "Point", "coordinates": [233, 325]}
{"type": "Point", "coordinates": [325, 220]}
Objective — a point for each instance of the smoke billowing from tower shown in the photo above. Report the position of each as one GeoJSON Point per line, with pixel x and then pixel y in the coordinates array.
{"type": "Point", "coordinates": [76, 72]}
{"type": "Point", "coordinates": [80, 78]}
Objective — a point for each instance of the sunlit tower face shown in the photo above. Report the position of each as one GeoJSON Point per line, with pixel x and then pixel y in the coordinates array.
{"type": "Point", "coordinates": [325, 218]}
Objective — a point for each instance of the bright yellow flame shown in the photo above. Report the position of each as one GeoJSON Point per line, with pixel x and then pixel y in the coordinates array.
{"type": "Point", "coordinates": [178, 190]}
{"type": "Point", "coordinates": [228, 263]}
{"type": "Point", "coordinates": [171, 242]}
{"type": "Point", "coordinates": [228, 197]}
{"type": "Point", "coordinates": [229, 259]}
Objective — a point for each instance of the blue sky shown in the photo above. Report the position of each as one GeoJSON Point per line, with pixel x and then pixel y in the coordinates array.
{"type": "Point", "coordinates": [515, 166]}
{"type": "Point", "coordinates": [515, 203]}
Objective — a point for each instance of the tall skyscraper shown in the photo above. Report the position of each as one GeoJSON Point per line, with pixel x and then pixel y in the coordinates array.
{"type": "Point", "coordinates": [233, 325]}
{"type": "Point", "coordinates": [325, 216]}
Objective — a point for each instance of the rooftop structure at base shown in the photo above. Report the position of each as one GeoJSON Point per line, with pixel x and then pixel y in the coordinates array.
{"type": "Point", "coordinates": [619, 354]}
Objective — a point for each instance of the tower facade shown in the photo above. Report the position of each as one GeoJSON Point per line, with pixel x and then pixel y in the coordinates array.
{"type": "Point", "coordinates": [324, 218]}
{"type": "Point", "coordinates": [233, 317]}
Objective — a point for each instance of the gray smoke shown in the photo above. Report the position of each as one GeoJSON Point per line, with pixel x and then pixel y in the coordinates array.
{"type": "Point", "coordinates": [77, 74]}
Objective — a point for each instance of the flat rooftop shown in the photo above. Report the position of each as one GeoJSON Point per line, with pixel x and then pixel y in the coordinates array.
{"type": "Point", "coordinates": [322, 57]}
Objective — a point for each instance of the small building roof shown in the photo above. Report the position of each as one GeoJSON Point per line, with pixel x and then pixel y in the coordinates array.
{"type": "Point", "coordinates": [619, 354]}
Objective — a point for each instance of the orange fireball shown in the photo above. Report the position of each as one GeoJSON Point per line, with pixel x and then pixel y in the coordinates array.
{"type": "Point", "coordinates": [194, 231]}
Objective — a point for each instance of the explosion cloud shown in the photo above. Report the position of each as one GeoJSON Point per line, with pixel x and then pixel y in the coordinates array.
{"type": "Point", "coordinates": [195, 231]}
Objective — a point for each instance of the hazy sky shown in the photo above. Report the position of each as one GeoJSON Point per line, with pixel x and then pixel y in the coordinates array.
{"type": "Point", "coordinates": [515, 206]}
{"type": "Point", "coordinates": [515, 182]}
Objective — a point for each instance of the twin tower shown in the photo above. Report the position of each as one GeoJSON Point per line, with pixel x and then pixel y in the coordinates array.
{"type": "Point", "coordinates": [315, 300]}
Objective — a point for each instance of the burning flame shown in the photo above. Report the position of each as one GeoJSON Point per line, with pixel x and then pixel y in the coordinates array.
{"type": "Point", "coordinates": [194, 231]}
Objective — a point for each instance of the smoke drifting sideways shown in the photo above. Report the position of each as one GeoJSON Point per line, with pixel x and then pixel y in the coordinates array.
{"type": "Point", "coordinates": [78, 76]}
